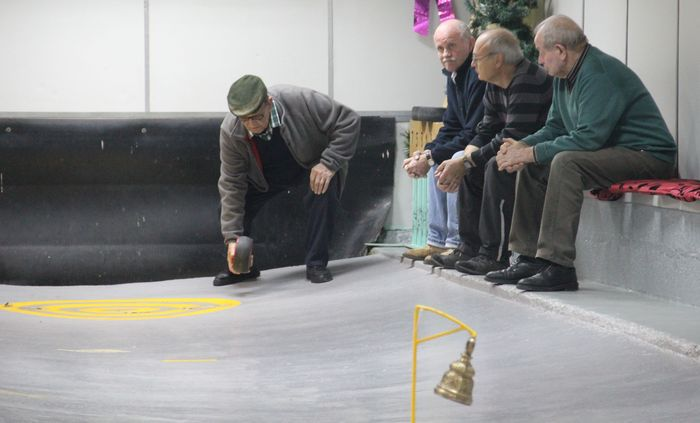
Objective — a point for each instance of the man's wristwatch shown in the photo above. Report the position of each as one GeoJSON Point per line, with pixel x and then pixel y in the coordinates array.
{"type": "Point", "coordinates": [467, 163]}
{"type": "Point", "coordinates": [429, 157]}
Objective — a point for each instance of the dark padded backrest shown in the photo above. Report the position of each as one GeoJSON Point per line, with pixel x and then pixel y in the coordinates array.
{"type": "Point", "coordinates": [110, 151]}
{"type": "Point", "coordinates": [133, 198]}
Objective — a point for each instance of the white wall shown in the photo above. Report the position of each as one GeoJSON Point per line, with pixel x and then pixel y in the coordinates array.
{"type": "Point", "coordinates": [652, 53]}
{"type": "Point", "coordinates": [379, 62]}
{"type": "Point", "coordinates": [71, 55]}
{"type": "Point", "coordinates": [571, 8]}
{"type": "Point", "coordinates": [199, 47]}
{"type": "Point", "coordinates": [370, 63]}
{"type": "Point", "coordinates": [689, 90]}
{"type": "Point", "coordinates": [182, 55]}
{"type": "Point", "coordinates": [606, 25]}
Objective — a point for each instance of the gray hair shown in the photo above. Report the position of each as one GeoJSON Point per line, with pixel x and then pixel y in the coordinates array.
{"type": "Point", "coordinates": [560, 29]}
{"type": "Point", "coordinates": [463, 29]}
{"type": "Point", "coordinates": [502, 41]}
{"type": "Point", "coordinates": [457, 25]}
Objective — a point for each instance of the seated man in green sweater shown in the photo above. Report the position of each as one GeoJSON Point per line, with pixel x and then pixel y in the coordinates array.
{"type": "Point", "coordinates": [603, 127]}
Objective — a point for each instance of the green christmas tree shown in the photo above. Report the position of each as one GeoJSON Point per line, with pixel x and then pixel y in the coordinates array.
{"type": "Point", "coordinates": [507, 14]}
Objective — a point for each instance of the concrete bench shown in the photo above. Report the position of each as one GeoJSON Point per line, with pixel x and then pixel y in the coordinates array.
{"type": "Point", "coordinates": [680, 189]}
{"type": "Point", "coordinates": [644, 243]}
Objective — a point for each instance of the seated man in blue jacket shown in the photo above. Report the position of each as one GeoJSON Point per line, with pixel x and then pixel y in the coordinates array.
{"type": "Point", "coordinates": [454, 44]}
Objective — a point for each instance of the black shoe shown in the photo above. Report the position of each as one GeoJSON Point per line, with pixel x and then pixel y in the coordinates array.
{"type": "Point", "coordinates": [523, 268]}
{"type": "Point", "coordinates": [228, 278]}
{"type": "Point", "coordinates": [448, 261]}
{"type": "Point", "coordinates": [318, 274]}
{"type": "Point", "coordinates": [480, 265]}
{"type": "Point", "coordinates": [554, 278]}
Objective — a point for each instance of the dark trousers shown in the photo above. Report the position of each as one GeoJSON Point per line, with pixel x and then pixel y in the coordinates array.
{"type": "Point", "coordinates": [549, 197]}
{"type": "Point", "coordinates": [486, 197]}
{"type": "Point", "coordinates": [321, 213]}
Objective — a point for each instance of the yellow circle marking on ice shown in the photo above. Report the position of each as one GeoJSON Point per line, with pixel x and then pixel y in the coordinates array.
{"type": "Point", "coordinates": [125, 309]}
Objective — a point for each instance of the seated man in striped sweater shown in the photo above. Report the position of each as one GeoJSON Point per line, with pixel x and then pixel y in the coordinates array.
{"type": "Point", "coordinates": [516, 103]}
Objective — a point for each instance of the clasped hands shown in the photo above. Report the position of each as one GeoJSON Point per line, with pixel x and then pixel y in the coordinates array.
{"type": "Point", "coordinates": [514, 155]}
{"type": "Point", "coordinates": [511, 157]}
{"type": "Point", "coordinates": [417, 165]}
{"type": "Point", "coordinates": [449, 173]}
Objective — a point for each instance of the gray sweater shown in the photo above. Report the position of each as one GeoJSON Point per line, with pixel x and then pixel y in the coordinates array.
{"type": "Point", "coordinates": [315, 128]}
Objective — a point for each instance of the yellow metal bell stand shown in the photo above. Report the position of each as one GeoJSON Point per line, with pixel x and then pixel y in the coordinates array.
{"type": "Point", "coordinates": [458, 382]}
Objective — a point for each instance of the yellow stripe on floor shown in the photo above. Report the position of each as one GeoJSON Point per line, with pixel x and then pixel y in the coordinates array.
{"type": "Point", "coordinates": [122, 309]}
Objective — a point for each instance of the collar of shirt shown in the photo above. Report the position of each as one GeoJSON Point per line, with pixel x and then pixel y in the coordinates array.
{"type": "Point", "coordinates": [275, 122]}
{"type": "Point", "coordinates": [453, 75]}
{"type": "Point", "coordinates": [573, 73]}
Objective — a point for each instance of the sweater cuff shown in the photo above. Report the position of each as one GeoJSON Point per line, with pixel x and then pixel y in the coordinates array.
{"type": "Point", "coordinates": [478, 158]}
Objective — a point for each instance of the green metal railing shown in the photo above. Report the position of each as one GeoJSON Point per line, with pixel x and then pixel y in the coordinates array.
{"type": "Point", "coordinates": [419, 232]}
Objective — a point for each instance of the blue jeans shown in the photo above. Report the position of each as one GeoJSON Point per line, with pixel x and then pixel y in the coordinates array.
{"type": "Point", "coordinates": [443, 214]}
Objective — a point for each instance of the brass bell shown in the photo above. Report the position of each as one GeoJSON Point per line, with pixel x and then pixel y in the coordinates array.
{"type": "Point", "coordinates": [458, 383]}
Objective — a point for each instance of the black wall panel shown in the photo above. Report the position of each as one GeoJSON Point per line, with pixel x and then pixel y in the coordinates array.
{"type": "Point", "coordinates": [116, 199]}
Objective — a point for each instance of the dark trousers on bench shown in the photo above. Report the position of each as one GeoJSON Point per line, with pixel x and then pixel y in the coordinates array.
{"type": "Point", "coordinates": [548, 198]}
{"type": "Point", "coordinates": [485, 210]}
{"type": "Point", "coordinates": [321, 211]}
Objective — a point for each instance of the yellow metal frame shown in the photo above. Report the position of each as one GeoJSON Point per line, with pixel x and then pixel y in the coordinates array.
{"type": "Point", "coordinates": [416, 341]}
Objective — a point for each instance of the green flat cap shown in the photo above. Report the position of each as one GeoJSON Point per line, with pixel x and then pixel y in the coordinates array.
{"type": "Point", "coordinates": [246, 95]}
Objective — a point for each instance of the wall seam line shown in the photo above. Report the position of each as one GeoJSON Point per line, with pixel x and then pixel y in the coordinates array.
{"type": "Point", "coordinates": [627, 33]}
{"type": "Point", "coordinates": [331, 81]}
{"type": "Point", "coordinates": [147, 54]}
{"type": "Point", "coordinates": [678, 69]}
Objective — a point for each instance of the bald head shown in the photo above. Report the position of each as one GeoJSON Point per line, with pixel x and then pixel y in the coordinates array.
{"type": "Point", "coordinates": [500, 41]}
{"type": "Point", "coordinates": [453, 26]}
{"type": "Point", "coordinates": [560, 29]}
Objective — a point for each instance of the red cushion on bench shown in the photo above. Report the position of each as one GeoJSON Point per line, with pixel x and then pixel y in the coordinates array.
{"type": "Point", "coordinates": [604, 194]}
{"type": "Point", "coordinates": [680, 189]}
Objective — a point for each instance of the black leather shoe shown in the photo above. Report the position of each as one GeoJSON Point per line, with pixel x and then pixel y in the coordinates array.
{"type": "Point", "coordinates": [318, 274]}
{"type": "Point", "coordinates": [553, 278]}
{"type": "Point", "coordinates": [448, 261]}
{"type": "Point", "coordinates": [228, 278]}
{"type": "Point", "coordinates": [480, 265]}
{"type": "Point", "coordinates": [523, 268]}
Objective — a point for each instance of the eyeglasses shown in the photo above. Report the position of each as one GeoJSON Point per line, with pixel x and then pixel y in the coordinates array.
{"type": "Point", "coordinates": [476, 59]}
{"type": "Point", "coordinates": [256, 118]}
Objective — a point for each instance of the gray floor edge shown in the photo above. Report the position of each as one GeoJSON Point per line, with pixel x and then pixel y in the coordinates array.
{"type": "Point", "coordinates": [662, 340]}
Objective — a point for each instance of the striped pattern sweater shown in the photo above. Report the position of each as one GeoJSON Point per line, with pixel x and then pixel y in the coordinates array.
{"type": "Point", "coordinates": [513, 112]}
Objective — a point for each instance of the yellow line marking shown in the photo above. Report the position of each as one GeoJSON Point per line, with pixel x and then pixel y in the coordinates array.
{"type": "Point", "coordinates": [195, 360]}
{"type": "Point", "coordinates": [122, 309]}
{"type": "Point", "coordinates": [95, 350]}
{"type": "Point", "coordinates": [18, 394]}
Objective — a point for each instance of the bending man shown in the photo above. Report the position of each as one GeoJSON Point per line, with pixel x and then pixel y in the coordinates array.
{"type": "Point", "coordinates": [271, 141]}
